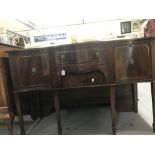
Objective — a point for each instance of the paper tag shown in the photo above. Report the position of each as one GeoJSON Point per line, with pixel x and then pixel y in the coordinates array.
{"type": "Point", "coordinates": [63, 72]}
{"type": "Point", "coordinates": [92, 80]}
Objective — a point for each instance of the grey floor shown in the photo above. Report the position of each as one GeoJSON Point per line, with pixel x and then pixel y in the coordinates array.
{"type": "Point", "coordinates": [84, 121]}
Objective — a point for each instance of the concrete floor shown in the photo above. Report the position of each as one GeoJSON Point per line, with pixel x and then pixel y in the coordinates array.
{"type": "Point", "coordinates": [84, 121]}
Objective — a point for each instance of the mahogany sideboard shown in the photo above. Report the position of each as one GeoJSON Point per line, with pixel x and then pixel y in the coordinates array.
{"type": "Point", "coordinates": [83, 65]}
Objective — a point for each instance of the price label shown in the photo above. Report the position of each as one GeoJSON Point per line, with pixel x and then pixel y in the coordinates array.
{"type": "Point", "coordinates": [63, 72]}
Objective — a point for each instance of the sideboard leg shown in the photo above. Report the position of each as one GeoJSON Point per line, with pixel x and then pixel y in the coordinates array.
{"type": "Point", "coordinates": [19, 112]}
{"type": "Point", "coordinates": [113, 108]}
{"type": "Point", "coordinates": [9, 123]}
{"type": "Point", "coordinates": [57, 109]}
{"type": "Point", "coordinates": [153, 103]}
{"type": "Point", "coordinates": [135, 97]}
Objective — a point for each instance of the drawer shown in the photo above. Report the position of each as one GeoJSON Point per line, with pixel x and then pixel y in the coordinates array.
{"type": "Point", "coordinates": [81, 54]}
{"type": "Point", "coordinates": [83, 75]}
{"type": "Point", "coordinates": [30, 69]}
{"type": "Point", "coordinates": [66, 55]}
{"type": "Point", "coordinates": [92, 54]}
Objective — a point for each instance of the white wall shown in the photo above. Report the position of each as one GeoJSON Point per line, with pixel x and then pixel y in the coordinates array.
{"type": "Point", "coordinates": [91, 31]}
{"type": "Point", "coordinates": [145, 102]}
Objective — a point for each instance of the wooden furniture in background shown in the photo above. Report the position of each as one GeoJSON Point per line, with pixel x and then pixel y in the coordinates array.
{"type": "Point", "coordinates": [6, 90]}
{"type": "Point", "coordinates": [109, 64]}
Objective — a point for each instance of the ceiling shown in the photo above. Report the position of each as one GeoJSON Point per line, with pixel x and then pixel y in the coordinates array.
{"type": "Point", "coordinates": [26, 15]}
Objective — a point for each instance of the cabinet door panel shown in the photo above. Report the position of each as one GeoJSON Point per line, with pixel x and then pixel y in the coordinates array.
{"type": "Point", "coordinates": [31, 69]}
{"type": "Point", "coordinates": [132, 62]}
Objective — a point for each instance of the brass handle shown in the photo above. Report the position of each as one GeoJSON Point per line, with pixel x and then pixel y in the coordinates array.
{"type": "Point", "coordinates": [131, 61]}
{"type": "Point", "coordinates": [62, 57]}
{"type": "Point", "coordinates": [97, 54]}
{"type": "Point", "coordinates": [34, 71]}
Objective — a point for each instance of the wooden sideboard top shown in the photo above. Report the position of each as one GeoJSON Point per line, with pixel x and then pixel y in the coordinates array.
{"type": "Point", "coordinates": [5, 47]}
{"type": "Point", "coordinates": [16, 50]}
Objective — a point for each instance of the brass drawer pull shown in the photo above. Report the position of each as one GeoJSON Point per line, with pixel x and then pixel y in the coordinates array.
{"type": "Point", "coordinates": [131, 61]}
{"type": "Point", "coordinates": [62, 58]}
{"type": "Point", "coordinates": [34, 71]}
{"type": "Point", "coordinates": [97, 54]}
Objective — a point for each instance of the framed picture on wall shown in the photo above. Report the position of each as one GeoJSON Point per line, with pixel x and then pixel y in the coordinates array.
{"type": "Point", "coordinates": [125, 27]}
{"type": "Point", "coordinates": [135, 26]}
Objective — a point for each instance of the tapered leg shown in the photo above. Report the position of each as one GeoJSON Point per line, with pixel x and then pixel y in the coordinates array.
{"type": "Point", "coordinates": [113, 108]}
{"type": "Point", "coordinates": [135, 97]}
{"type": "Point", "coordinates": [57, 109]}
{"type": "Point", "coordinates": [19, 112]}
{"type": "Point", "coordinates": [9, 123]}
{"type": "Point", "coordinates": [153, 103]}
{"type": "Point", "coordinates": [35, 107]}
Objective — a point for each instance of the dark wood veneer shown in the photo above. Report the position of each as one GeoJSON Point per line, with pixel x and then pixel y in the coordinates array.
{"type": "Point", "coordinates": [32, 69]}
{"type": "Point", "coordinates": [85, 65]}
{"type": "Point", "coordinates": [132, 61]}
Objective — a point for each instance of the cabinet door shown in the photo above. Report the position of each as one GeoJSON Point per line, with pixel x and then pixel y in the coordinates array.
{"type": "Point", "coordinates": [30, 69]}
{"type": "Point", "coordinates": [132, 62]}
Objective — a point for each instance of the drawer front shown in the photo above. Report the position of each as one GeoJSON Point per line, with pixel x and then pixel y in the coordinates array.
{"type": "Point", "coordinates": [91, 54]}
{"type": "Point", "coordinates": [66, 55]}
{"type": "Point", "coordinates": [77, 75]}
{"type": "Point", "coordinates": [30, 69]}
{"type": "Point", "coordinates": [81, 54]}
{"type": "Point", "coordinates": [132, 62]}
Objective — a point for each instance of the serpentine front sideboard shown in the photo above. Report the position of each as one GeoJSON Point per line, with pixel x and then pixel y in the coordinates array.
{"type": "Point", "coordinates": [83, 65]}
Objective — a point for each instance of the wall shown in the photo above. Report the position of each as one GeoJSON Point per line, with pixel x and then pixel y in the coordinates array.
{"type": "Point", "coordinates": [79, 32]}
{"type": "Point", "coordinates": [145, 102]}
{"type": "Point", "coordinates": [92, 31]}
